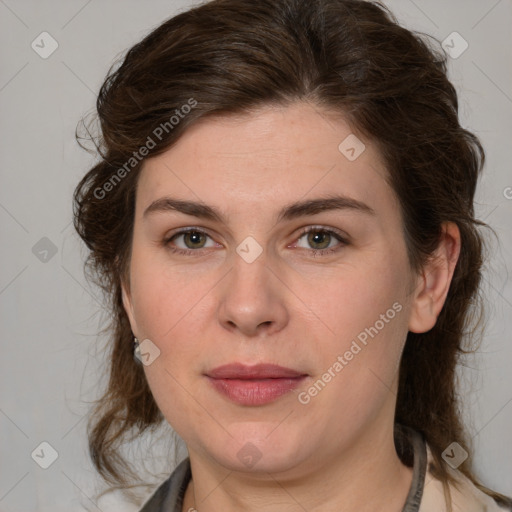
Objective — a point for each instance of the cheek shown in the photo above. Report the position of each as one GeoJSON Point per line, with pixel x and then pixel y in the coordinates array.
{"type": "Point", "coordinates": [163, 295]}
{"type": "Point", "coordinates": [352, 297]}
{"type": "Point", "coordinates": [173, 396]}
{"type": "Point", "coordinates": [364, 317]}
{"type": "Point", "coordinates": [167, 309]}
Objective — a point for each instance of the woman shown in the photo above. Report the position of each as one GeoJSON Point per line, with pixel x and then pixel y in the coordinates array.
{"type": "Point", "coordinates": [283, 222]}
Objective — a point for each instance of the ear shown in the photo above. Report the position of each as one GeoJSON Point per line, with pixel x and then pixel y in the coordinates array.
{"type": "Point", "coordinates": [128, 306]}
{"type": "Point", "coordinates": [434, 281]}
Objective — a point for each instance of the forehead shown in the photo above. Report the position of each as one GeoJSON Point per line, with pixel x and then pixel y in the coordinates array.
{"type": "Point", "coordinates": [267, 158]}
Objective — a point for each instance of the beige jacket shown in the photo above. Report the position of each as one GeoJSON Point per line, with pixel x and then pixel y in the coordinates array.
{"type": "Point", "coordinates": [465, 498]}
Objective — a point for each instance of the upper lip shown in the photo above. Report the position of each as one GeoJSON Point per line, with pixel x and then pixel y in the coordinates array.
{"type": "Point", "coordinates": [259, 371]}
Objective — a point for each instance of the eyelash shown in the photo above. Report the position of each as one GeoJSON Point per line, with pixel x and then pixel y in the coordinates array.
{"type": "Point", "coordinates": [305, 231]}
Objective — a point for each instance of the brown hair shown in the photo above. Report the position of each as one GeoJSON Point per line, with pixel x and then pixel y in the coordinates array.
{"type": "Point", "coordinates": [345, 56]}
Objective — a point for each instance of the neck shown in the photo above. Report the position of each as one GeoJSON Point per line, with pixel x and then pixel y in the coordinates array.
{"type": "Point", "coordinates": [367, 476]}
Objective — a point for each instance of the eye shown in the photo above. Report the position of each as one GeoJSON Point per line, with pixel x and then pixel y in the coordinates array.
{"type": "Point", "coordinates": [192, 239]}
{"type": "Point", "coordinates": [322, 240]}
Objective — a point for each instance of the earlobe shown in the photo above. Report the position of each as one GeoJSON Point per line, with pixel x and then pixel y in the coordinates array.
{"type": "Point", "coordinates": [128, 307]}
{"type": "Point", "coordinates": [434, 282]}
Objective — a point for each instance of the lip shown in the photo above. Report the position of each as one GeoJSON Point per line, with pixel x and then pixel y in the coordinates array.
{"type": "Point", "coordinates": [259, 371]}
{"type": "Point", "coordinates": [254, 385]}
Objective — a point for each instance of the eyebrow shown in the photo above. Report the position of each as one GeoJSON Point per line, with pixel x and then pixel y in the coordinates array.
{"type": "Point", "coordinates": [289, 212]}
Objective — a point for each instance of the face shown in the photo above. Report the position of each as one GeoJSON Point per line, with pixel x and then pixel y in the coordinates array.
{"type": "Point", "coordinates": [323, 290]}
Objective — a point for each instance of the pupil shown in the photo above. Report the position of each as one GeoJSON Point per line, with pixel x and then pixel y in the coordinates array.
{"type": "Point", "coordinates": [313, 238]}
{"type": "Point", "coordinates": [195, 237]}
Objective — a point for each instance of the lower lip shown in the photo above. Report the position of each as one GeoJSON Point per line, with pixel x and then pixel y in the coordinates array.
{"type": "Point", "coordinates": [255, 391]}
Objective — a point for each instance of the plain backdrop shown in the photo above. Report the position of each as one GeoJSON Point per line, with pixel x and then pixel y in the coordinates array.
{"type": "Point", "coordinates": [50, 368]}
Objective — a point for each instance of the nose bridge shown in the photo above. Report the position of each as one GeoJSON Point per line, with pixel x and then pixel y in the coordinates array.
{"type": "Point", "coordinates": [252, 298]}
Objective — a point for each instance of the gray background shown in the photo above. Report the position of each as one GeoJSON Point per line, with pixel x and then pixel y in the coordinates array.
{"type": "Point", "coordinates": [51, 366]}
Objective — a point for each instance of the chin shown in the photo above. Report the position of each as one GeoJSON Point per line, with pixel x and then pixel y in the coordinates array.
{"type": "Point", "coordinates": [258, 455]}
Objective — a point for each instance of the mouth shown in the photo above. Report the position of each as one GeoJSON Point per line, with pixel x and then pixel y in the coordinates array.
{"type": "Point", "coordinates": [254, 385]}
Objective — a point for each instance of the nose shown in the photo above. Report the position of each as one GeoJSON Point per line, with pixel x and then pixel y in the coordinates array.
{"type": "Point", "coordinates": [253, 299]}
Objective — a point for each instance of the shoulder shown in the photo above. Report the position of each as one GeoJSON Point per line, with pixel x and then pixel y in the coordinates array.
{"type": "Point", "coordinates": [464, 494]}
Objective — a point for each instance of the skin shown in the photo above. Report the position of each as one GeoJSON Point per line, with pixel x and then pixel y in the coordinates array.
{"type": "Point", "coordinates": [291, 306]}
